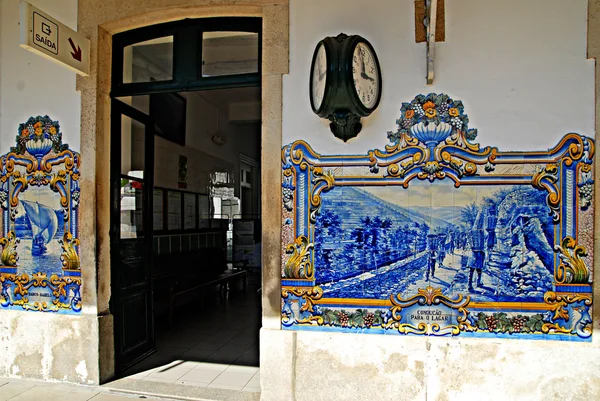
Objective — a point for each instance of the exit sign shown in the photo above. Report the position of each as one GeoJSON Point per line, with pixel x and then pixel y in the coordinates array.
{"type": "Point", "coordinates": [48, 37]}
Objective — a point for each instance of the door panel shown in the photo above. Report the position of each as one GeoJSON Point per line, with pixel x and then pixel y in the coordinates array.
{"type": "Point", "coordinates": [135, 328]}
{"type": "Point", "coordinates": [132, 161]}
{"type": "Point", "coordinates": [247, 204]}
{"type": "Point", "coordinates": [132, 263]}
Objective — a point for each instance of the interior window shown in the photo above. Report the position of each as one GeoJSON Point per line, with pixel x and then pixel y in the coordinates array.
{"type": "Point", "coordinates": [229, 53]}
{"type": "Point", "coordinates": [148, 61]}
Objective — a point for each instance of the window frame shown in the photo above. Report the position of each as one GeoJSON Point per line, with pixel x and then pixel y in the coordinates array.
{"type": "Point", "coordinates": [187, 56]}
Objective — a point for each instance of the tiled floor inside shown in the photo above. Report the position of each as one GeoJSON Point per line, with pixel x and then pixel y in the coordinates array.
{"type": "Point", "coordinates": [213, 343]}
{"type": "Point", "coordinates": [205, 374]}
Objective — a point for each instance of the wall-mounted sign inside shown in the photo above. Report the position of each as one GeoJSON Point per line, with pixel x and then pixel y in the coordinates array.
{"type": "Point", "coordinates": [345, 83]}
{"type": "Point", "coordinates": [182, 172]}
{"type": "Point", "coordinates": [44, 35]}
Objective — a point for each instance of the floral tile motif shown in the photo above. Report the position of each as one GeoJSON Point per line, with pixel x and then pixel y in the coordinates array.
{"type": "Point", "coordinates": [439, 236]}
{"type": "Point", "coordinates": [39, 198]}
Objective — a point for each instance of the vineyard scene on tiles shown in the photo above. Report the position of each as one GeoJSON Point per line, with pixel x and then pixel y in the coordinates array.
{"type": "Point", "coordinates": [436, 235]}
{"type": "Point", "coordinates": [410, 247]}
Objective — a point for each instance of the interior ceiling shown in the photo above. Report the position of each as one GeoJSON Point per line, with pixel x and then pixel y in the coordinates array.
{"type": "Point", "coordinates": [224, 97]}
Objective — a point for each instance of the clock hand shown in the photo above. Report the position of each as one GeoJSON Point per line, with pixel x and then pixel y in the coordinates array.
{"type": "Point", "coordinates": [363, 72]}
{"type": "Point", "coordinates": [362, 64]}
{"type": "Point", "coordinates": [365, 76]}
{"type": "Point", "coordinates": [321, 74]}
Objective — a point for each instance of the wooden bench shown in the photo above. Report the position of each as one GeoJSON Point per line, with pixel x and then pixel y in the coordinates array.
{"type": "Point", "coordinates": [181, 274]}
{"type": "Point", "coordinates": [223, 281]}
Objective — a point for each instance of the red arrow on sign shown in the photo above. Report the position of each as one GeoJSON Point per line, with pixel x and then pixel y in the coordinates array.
{"type": "Point", "coordinates": [76, 53]}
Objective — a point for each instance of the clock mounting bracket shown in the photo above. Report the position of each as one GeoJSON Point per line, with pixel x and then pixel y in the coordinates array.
{"type": "Point", "coordinates": [344, 125]}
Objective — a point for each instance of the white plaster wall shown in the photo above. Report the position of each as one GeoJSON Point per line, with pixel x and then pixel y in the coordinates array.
{"type": "Point", "coordinates": [31, 85]}
{"type": "Point", "coordinates": [519, 66]}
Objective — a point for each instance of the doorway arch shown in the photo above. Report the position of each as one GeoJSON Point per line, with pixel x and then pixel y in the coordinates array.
{"type": "Point", "coordinates": [99, 21]}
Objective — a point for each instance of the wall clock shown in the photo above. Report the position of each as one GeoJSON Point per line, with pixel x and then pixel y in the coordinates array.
{"type": "Point", "coordinates": [345, 83]}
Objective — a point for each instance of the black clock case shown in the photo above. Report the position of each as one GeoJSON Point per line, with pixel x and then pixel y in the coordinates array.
{"type": "Point", "coordinates": [331, 79]}
{"type": "Point", "coordinates": [341, 103]}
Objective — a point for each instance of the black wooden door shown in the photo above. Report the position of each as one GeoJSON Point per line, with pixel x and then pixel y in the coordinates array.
{"type": "Point", "coordinates": [132, 179]}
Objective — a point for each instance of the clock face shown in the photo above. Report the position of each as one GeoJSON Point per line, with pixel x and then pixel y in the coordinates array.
{"type": "Point", "coordinates": [365, 75]}
{"type": "Point", "coordinates": [319, 75]}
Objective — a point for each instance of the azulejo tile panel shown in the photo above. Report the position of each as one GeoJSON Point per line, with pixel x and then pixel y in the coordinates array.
{"type": "Point", "coordinates": [39, 197]}
{"type": "Point", "coordinates": [437, 235]}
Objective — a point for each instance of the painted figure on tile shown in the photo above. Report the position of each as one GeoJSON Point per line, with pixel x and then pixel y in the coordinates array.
{"type": "Point", "coordinates": [479, 240]}
{"type": "Point", "coordinates": [441, 249]}
{"type": "Point", "coordinates": [432, 255]}
{"type": "Point", "coordinates": [476, 264]}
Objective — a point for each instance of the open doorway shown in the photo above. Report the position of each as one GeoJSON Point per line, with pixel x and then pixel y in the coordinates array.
{"type": "Point", "coordinates": [185, 231]}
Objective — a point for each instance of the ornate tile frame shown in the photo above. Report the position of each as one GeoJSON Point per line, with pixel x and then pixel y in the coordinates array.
{"type": "Point", "coordinates": [40, 161]}
{"type": "Point", "coordinates": [565, 172]}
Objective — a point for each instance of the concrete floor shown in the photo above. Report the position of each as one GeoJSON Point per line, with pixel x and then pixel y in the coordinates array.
{"type": "Point", "coordinates": [31, 390]}
{"type": "Point", "coordinates": [26, 390]}
{"type": "Point", "coordinates": [204, 374]}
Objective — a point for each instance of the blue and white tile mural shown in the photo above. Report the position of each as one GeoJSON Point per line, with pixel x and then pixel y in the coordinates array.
{"type": "Point", "coordinates": [39, 198]}
{"type": "Point", "coordinates": [380, 247]}
{"type": "Point", "coordinates": [435, 235]}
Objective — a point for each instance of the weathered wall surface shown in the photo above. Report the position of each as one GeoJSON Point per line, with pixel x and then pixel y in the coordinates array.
{"type": "Point", "coordinates": [367, 367]}
{"type": "Point", "coordinates": [47, 346]}
{"type": "Point", "coordinates": [36, 344]}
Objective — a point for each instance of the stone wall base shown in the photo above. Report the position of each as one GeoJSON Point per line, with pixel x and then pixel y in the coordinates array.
{"type": "Point", "coordinates": [324, 366]}
{"type": "Point", "coordinates": [49, 346]}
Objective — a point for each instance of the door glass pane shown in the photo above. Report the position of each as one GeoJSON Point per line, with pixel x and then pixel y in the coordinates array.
{"type": "Point", "coordinates": [148, 61]}
{"type": "Point", "coordinates": [132, 177]}
{"type": "Point", "coordinates": [133, 142]}
{"type": "Point", "coordinates": [229, 53]}
{"type": "Point", "coordinates": [131, 208]}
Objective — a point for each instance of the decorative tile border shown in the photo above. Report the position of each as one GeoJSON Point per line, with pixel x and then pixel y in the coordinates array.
{"type": "Point", "coordinates": [509, 239]}
{"type": "Point", "coordinates": [39, 197]}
